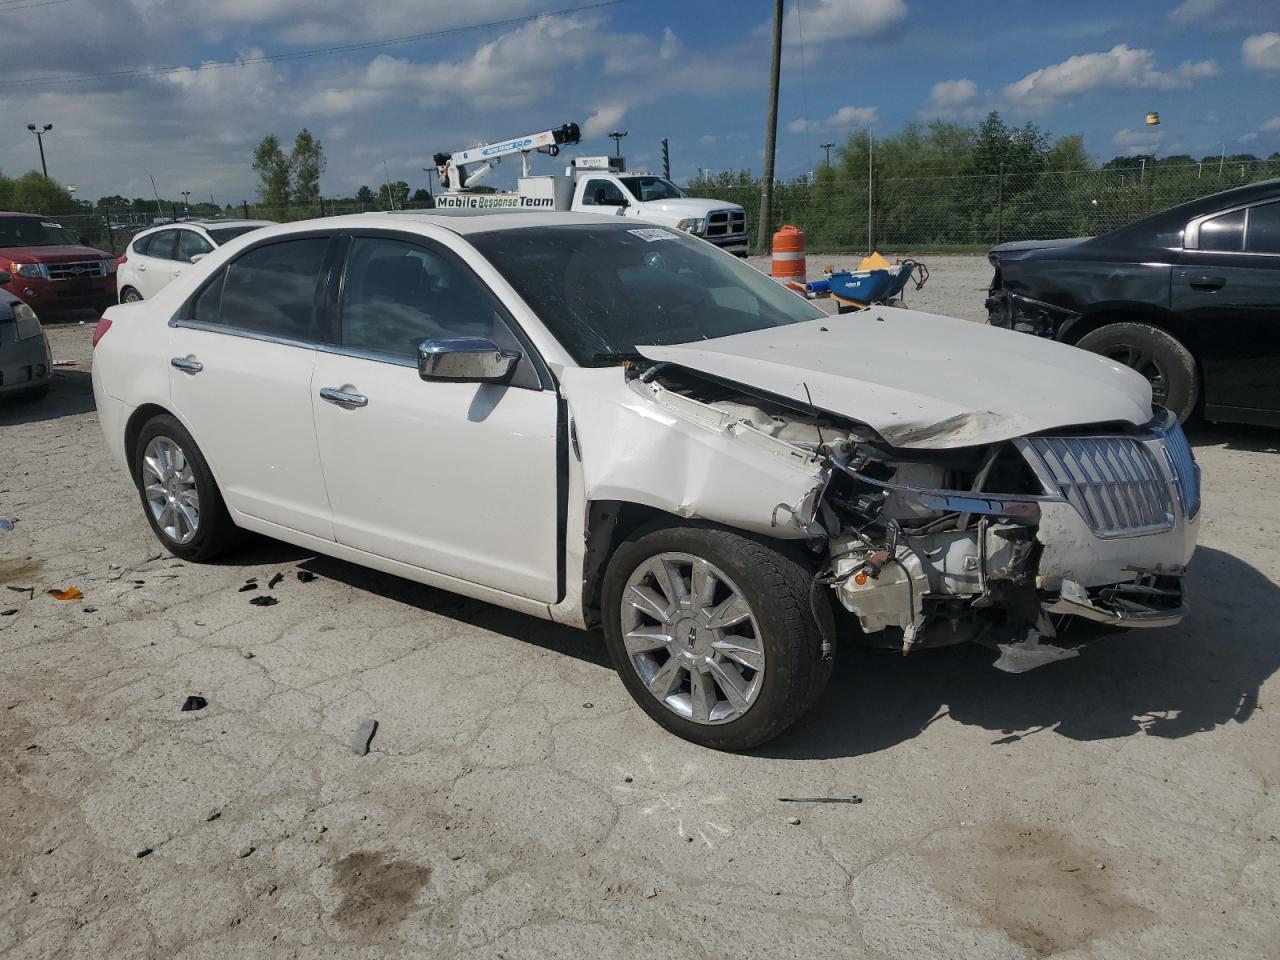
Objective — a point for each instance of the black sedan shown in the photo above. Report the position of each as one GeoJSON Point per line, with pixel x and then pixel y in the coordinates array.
{"type": "Point", "coordinates": [26, 367]}
{"type": "Point", "coordinates": [1189, 297]}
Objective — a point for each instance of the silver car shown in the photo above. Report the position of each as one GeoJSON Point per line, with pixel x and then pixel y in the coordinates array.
{"type": "Point", "coordinates": [26, 366]}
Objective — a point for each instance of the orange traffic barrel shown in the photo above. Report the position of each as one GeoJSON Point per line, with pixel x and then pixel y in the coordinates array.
{"type": "Point", "coordinates": [788, 254]}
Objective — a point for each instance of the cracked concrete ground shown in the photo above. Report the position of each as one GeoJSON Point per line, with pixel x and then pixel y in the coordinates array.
{"type": "Point", "coordinates": [516, 804]}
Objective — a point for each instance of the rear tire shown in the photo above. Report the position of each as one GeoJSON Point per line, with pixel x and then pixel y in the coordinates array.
{"type": "Point", "coordinates": [735, 662]}
{"type": "Point", "coordinates": [130, 295]}
{"type": "Point", "coordinates": [1158, 355]}
{"type": "Point", "coordinates": [179, 495]}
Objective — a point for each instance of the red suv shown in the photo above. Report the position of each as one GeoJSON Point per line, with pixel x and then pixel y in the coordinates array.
{"type": "Point", "coordinates": [50, 268]}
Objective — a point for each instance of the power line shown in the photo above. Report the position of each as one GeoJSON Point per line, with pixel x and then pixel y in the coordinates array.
{"type": "Point", "coordinates": [139, 72]}
{"type": "Point", "coordinates": [28, 4]}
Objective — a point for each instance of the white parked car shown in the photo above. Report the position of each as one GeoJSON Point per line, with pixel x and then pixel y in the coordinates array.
{"type": "Point", "coordinates": [155, 256]}
{"type": "Point", "coordinates": [604, 423]}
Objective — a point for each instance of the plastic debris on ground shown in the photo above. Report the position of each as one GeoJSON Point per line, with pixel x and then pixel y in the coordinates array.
{"type": "Point", "coordinates": [71, 593]}
{"type": "Point", "coordinates": [194, 703]}
{"type": "Point", "coordinates": [364, 737]}
{"type": "Point", "coordinates": [264, 601]}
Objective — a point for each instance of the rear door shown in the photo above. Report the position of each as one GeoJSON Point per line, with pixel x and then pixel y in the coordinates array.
{"type": "Point", "coordinates": [1227, 283]}
{"type": "Point", "coordinates": [456, 478]}
{"type": "Point", "coordinates": [244, 351]}
{"type": "Point", "coordinates": [152, 270]}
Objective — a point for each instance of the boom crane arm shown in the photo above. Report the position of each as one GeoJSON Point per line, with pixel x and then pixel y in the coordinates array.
{"type": "Point", "coordinates": [452, 167]}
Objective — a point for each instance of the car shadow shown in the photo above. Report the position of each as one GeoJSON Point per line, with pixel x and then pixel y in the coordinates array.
{"type": "Point", "coordinates": [1174, 682]}
{"type": "Point", "coordinates": [70, 393]}
{"type": "Point", "coordinates": [579, 644]}
{"type": "Point", "coordinates": [1233, 436]}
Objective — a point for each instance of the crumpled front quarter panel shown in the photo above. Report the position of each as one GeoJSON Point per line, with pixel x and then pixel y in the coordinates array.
{"type": "Point", "coordinates": [672, 457]}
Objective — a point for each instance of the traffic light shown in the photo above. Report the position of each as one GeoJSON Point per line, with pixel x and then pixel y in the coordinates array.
{"type": "Point", "coordinates": [666, 160]}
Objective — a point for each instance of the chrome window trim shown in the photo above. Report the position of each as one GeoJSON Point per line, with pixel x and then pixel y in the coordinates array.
{"type": "Point", "coordinates": [242, 332]}
{"type": "Point", "coordinates": [374, 355]}
{"type": "Point", "coordinates": [1191, 233]}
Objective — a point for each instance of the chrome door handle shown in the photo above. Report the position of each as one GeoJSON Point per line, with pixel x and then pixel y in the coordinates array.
{"type": "Point", "coordinates": [342, 398]}
{"type": "Point", "coordinates": [187, 364]}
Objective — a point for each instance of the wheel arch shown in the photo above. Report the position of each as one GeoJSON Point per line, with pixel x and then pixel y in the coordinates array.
{"type": "Point", "coordinates": [1072, 332]}
{"type": "Point", "coordinates": [133, 430]}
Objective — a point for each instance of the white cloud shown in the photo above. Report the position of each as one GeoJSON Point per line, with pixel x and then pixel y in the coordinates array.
{"type": "Point", "coordinates": [1262, 51]}
{"type": "Point", "coordinates": [824, 20]}
{"type": "Point", "coordinates": [604, 120]}
{"type": "Point", "coordinates": [852, 117]}
{"type": "Point", "coordinates": [1191, 12]}
{"type": "Point", "coordinates": [1249, 137]}
{"type": "Point", "coordinates": [801, 125]}
{"type": "Point", "coordinates": [953, 93]}
{"type": "Point", "coordinates": [1121, 67]}
{"type": "Point", "coordinates": [1272, 124]}
{"type": "Point", "coordinates": [670, 46]}
{"type": "Point", "coordinates": [1137, 142]}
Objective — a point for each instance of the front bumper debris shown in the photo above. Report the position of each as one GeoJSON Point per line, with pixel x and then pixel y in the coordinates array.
{"type": "Point", "coordinates": [1148, 602]}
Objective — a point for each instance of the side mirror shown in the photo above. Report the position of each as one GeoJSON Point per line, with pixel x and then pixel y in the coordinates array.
{"type": "Point", "coordinates": [5, 278]}
{"type": "Point", "coordinates": [197, 257]}
{"type": "Point", "coordinates": [465, 359]}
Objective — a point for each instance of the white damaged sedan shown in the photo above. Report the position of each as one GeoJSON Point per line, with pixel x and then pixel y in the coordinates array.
{"type": "Point", "coordinates": [615, 425]}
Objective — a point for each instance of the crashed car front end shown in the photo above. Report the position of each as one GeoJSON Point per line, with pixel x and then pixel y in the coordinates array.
{"type": "Point", "coordinates": [1020, 543]}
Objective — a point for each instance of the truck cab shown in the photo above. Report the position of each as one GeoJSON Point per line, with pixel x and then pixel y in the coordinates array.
{"type": "Point", "coordinates": [658, 200]}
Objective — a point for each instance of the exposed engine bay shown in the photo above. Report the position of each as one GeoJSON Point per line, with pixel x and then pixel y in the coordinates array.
{"type": "Point", "coordinates": [934, 547]}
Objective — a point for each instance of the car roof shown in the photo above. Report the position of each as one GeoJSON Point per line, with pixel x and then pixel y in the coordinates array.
{"type": "Point", "coordinates": [1177, 216]}
{"type": "Point", "coordinates": [461, 222]}
{"type": "Point", "coordinates": [202, 224]}
{"type": "Point", "coordinates": [31, 216]}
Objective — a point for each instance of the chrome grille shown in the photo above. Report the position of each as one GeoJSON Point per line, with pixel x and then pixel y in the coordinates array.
{"type": "Point", "coordinates": [1114, 482]}
{"type": "Point", "coordinates": [726, 223]}
{"type": "Point", "coordinates": [1183, 464]}
{"type": "Point", "coordinates": [76, 270]}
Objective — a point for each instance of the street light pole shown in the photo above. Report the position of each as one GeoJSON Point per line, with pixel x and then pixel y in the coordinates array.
{"type": "Point", "coordinates": [616, 137]}
{"type": "Point", "coordinates": [827, 147]}
{"type": "Point", "coordinates": [44, 168]}
{"type": "Point", "coordinates": [186, 202]}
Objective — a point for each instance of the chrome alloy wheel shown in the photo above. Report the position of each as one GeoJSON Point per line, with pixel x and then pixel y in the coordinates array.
{"type": "Point", "coordinates": [692, 638]}
{"type": "Point", "coordinates": [170, 488]}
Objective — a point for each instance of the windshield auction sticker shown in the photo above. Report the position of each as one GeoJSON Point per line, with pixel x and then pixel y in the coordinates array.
{"type": "Point", "coordinates": [650, 234]}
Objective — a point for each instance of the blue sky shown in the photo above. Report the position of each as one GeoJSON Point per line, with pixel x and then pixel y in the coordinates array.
{"type": "Point", "coordinates": [694, 71]}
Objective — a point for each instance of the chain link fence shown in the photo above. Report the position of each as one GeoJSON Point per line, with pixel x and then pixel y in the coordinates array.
{"type": "Point", "coordinates": [974, 212]}
{"type": "Point", "coordinates": [838, 214]}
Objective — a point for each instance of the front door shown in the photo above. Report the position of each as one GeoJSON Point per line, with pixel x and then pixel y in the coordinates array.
{"type": "Point", "coordinates": [1230, 289]}
{"type": "Point", "coordinates": [243, 359]}
{"type": "Point", "coordinates": [456, 478]}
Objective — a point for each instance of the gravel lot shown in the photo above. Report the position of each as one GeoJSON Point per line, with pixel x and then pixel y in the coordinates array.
{"type": "Point", "coordinates": [515, 803]}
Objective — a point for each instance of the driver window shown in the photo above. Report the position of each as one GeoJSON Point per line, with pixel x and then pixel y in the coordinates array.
{"type": "Point", "coordinates": [191, 244]}
{"type": "Point", "coordinates": [397, 294]}
{"type": "Point", "coordinates": [602, 193]}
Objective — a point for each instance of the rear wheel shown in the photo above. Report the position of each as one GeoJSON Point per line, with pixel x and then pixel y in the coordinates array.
{"type": "Point", "coordinates": [178, 492]}
{"type": "Point", "coordinates": [713, 634]}
{"type": "Point", "coordinates": [1156, 354]}
{"type": "Point", "coordinates": [129, 295]}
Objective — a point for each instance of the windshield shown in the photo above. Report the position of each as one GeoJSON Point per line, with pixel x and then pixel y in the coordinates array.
{"type": "Point", "coordinates": [601, 290]}
{"type": "Point", "coordinates": [35, 232]}
{"type": "Point", "coordinates": [222, 234]}
{"type": "Point", "coordinates": [652, 188]}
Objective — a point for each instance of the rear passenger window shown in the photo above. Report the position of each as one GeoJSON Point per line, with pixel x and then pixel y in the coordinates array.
{"type": "Point", "coordinates": [272, 289]}
{"type": "Point", "coordinates": [1224, 233]}
{"type": "Point", "coordinates": [163, 244]}
{"type": "Point", "coordinates": [192, 244]}
{"type": "Point", "coordinates": [208, 302]}
{"type": "Point", "coordinates": [1264, 229]}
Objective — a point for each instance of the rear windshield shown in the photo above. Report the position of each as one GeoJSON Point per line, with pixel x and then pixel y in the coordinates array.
{"type": "Point", "coordinates": [35, 232]}
{"type": "Point", "coordinates": [601, 290]}
{"type": "Point", "coordinates": [223, 234]}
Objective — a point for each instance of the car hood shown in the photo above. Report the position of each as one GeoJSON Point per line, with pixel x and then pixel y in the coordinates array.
{"type": "Point", "coordinates": [685, 207]}
{"type": "Point", "coordinates": [58, 254]}
{"type": "Point", "coordinates": [924, 381]}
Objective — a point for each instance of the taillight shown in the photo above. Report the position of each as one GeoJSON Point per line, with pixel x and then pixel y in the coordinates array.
{"type": "Point", "coordinates": [101, 330]}
{"type": "Point", "coordinates": [122, 260]}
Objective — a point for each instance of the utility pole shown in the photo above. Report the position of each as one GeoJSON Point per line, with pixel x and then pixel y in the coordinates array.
{"type": "Point", "coordinates": [871, 218]}
{"type": "Point", "coordinates": [391, 197]}
{"type": "Point", "coordinates": [827, 147]}
{"type": "Point", "coordinates": [771, 133]}
{"type": "Point", "coordinates": [666, 159]}
{"type": "Point", "coordinates": [159, 209]}
{"type": "Point", "coordinates": [616, 137]}
{"type": "Point", "coordinates": [44, 168]}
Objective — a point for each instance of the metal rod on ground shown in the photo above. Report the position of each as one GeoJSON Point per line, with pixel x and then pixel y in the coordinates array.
{"type": "Point", "coordinates": [771, 132]}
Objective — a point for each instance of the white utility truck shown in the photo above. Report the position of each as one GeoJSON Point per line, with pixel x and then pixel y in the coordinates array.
{"type": "Point", "coordinates": [599, 185]}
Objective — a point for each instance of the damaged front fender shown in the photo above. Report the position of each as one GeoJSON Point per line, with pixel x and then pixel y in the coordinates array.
{"type": "Point", "coordinates": [642, 443]}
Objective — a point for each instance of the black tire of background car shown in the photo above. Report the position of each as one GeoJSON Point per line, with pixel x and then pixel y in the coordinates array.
{"type": "Point", "coordinates": [795, 672]}
{"type": "Point", "coordinates": [130, 295]}
{"type": "Point", "coordinates": [216, 533]}
{"type": "Point", "coordinates": [1167, 351]}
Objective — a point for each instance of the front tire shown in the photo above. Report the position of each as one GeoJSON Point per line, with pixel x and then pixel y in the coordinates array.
{"type": "Point", "coordinates": [178, 492]}
{"type": "Point", "coordinates": [713, 634]}
{"type": "Point", "coordinates": [1156, 354]}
